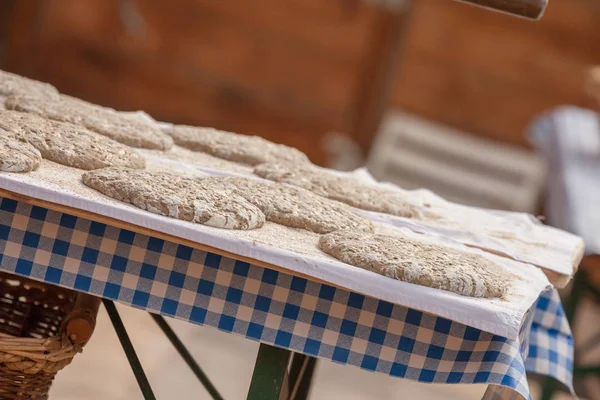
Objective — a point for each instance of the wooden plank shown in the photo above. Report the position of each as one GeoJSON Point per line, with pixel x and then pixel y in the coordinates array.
{"type": "Point", "coordinates": [338, 27]}
{"type": "Point", "coordinates": [21, 36]}
{"type": "Point", "coordinates": [535, 54]}
{"type": "Point", "coordinates": [6, 13]}
{"type": "Point", "coordinates": [490, 74]}
{"type": "Point", "coordinates": [259, 60]}
{"type": "Point", "coordinates": [472, 100]}
{"type": "Point", "coordinates": [82, 17]}
{"type": "Point", "coordinates": [591, 266]}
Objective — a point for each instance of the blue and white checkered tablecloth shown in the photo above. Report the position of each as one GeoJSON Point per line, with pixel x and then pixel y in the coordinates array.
{"type": "Point", "coordinates": [277, 308]}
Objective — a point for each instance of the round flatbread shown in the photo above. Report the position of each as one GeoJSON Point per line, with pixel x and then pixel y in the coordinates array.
{"type": "Point", "coordinates": [202, 201]}
{"type": "Point", "coordinates": [344, 189]}
{"type": "Point", "coordinates": [17, 156]}
{"type": "Point", "coordinates": [15, 85]}
{"type": "Point", "coordinates": [295, 207]}
{"type": "Point", "coordinates": [251, 150]}
{"type": "Point", "coordinates": [69, 144]}
{"type": "Point", "coordinates": [121, 127]}
{"type": "Point", "coordinates": [421, 263]}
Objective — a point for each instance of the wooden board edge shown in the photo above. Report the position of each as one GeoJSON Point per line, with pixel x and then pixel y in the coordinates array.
{"type": "Point", "coordinates": [578, 255]}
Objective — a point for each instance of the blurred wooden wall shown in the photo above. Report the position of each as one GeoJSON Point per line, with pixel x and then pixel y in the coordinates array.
{"type": "Point", "coordinates": [292, 70]}
{"type": "Point", "coordinates": [285, 70]}
{"type": "Point", "coordinates": [488, 73]}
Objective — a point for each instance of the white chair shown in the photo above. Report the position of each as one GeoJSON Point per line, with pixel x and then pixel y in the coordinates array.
{"type": "Point", "coordinates": [415, 153]}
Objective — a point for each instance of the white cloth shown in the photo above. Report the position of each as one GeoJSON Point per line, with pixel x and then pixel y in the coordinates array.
{"type": "Point", "coordinates": [569, 140]}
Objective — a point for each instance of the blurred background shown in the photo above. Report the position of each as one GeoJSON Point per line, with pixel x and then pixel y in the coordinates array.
{"type": "Point", "coordinates": [425, 93]}
{"type": "Point", "coordinates": [341, 80]}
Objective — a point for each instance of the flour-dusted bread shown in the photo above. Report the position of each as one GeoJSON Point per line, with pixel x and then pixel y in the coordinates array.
{"type": "Point", "coordinates": [344, 189]}
{"type": "Point", "coordinates": [295, 207]}
{"type": "Point", "coordinates": [203, 201]}
{"type": "Point", "coordinates": [414, 261]}
{"type": "Point", "coordinates": [15, 85]}
{"type": "Point", "coordinates": [251, 150]}
{"type": "Point", "coordinates": [17, 156]}
{"type": "Point", "coordinates": [122, 127]}
{"type": "Point", "coordinates": [69, 144]}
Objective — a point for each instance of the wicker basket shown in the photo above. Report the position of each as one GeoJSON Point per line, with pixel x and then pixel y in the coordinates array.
{"type": "Point", "coordinates": [42, 327]}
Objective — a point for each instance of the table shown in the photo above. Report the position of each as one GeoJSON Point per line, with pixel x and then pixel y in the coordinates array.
{"type": "Point", "coordinates": [568, 138]}
{"type": "Point", "coordinates": [291, 316]}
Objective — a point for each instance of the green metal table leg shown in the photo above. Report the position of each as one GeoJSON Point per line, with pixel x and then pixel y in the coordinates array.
{"type": "Point", "coordinates": [297, 369]}
{"type": "Point", "coordinates": [270, 380]}
{"type": "Point", "coordinates": [132, 357]}
{"type": "Point", "coordinates": [587, 370]}
{"type": "Point", "coordinates": [579, 287]}
{"type": "Point", "coordinates": [187, 357]}
{"type": "Point", "coordinates": [306, 382]}
{"type": "Point", "coordinates": [270, 374]}
{"type": "Point", "coordinates": [301, 374]}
